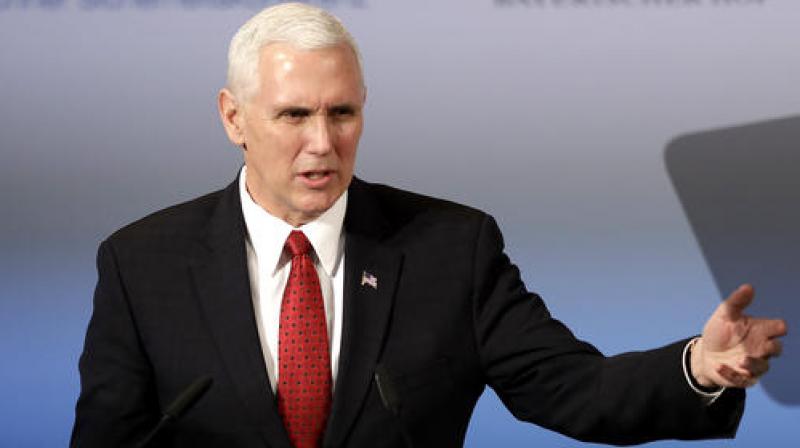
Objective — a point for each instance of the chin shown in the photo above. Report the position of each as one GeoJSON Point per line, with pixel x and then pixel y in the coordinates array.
{"type": "Point", "coordinates": [313, 207]}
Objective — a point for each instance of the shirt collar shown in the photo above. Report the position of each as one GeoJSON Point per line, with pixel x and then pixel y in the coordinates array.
{"type": "Point", "coordinates": [268, 233]}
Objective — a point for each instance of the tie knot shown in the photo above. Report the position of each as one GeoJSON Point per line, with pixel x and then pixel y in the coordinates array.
{"type": "Point", "coordinates": [297, 243]}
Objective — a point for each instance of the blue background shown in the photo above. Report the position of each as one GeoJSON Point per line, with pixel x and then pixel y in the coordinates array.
{"type": "Point", "coordinates": [554, 116]}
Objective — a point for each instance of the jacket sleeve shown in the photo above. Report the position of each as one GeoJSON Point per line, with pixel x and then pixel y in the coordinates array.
{"type": "Point", "coordinates": [546, 376]}
{"type": "Point", "coordinates": [117, 403]}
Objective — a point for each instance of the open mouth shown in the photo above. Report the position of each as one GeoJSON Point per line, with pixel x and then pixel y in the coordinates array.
{"type": "Point", "coordinates": [313, 175]}
{"type": "Point", "coordinates": [316, 178]}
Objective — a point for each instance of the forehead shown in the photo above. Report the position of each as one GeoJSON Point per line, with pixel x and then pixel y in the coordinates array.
{"type": "Point", "coordinates": [287, 71]}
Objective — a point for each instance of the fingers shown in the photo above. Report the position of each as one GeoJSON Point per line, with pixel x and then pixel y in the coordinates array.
{"type": "Point", "coordinates": [747, 373]}
{"type": "Point", "coordinates": [774, 348]}
{"type": "Point", "coordinates": [762, 339]}
{"type": "Point", "coordinates": [734, 378]}
{"type": "Point", "coordinates": [754, 367]}
{"type": "Point", "coordinates": [775, 328]}
{"type": "Point", "coordinates": [735, 304]}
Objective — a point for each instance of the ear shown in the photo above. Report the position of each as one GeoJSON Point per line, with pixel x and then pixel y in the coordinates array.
{"type": "Point", "coordinates": [231, 114]}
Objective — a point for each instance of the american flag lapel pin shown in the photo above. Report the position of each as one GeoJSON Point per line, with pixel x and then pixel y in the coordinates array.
{"type": "Point", "coordinates": [369, 279]}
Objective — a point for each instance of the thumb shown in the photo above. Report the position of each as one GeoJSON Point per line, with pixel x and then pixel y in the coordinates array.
{"type": "Point", "coordinates": [735, 304]}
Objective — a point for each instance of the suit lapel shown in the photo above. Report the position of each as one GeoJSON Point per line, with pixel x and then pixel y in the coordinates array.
{"type": "Point", "coordinates": [223, 289]}
{"type": "Point", "coordinates": [367, 308]}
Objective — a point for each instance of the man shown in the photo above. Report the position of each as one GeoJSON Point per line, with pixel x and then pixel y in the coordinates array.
{"type": "Point", "coordinates": [332, 312]}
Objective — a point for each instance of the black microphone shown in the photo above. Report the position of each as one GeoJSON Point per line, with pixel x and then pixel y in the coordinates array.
{"type": "Point", "coordinates": [179, 406]}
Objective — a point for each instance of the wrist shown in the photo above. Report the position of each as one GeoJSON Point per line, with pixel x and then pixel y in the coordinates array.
{"type": "Point", "coordinates": [696, 364]}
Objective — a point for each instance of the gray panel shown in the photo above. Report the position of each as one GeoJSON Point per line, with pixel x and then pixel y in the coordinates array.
{"type": "Point", "coordinates": [740, 188]}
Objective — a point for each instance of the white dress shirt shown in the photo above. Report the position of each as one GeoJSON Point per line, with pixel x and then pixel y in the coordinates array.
{"type": "Point", "coordinates": [268, 267]}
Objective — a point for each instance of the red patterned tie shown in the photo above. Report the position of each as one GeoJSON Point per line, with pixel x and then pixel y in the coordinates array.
{"type": "Point", "coordinates": [304, 372]}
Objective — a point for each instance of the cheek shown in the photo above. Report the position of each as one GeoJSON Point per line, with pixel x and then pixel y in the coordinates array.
{"type": "Point", "coordinates": [346, 152]}
{"type": "Point", "coordinates": [348, 143]}
{"type": "Point", "coordinates": [276, 151]}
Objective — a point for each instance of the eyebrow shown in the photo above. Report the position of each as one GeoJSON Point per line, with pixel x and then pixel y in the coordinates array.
{"type": "Point", "coordinates": [293, 109]}
{"type": "Point", "coordinates": [344, 107]}
{"type": "Point", "coordinates": [301, 110]}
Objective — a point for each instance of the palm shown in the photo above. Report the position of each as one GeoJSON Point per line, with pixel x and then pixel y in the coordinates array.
{"type": "Point", "coordinates": [723, 333]}
{"type": "Point", "coordinates": [736, 347]}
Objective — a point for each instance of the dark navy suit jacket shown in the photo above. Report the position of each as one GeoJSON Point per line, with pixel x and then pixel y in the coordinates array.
{"type": "Point", "coordinates": [449, 316]}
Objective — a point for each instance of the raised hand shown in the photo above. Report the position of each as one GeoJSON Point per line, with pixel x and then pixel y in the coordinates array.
{"type": "Point", "coordinates": [735, 348]}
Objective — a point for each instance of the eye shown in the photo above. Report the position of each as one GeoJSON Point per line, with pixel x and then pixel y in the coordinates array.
{"type": "Point", "coordinates": [294, 114]}
{"type": "Point", "coordinates": [339, 112]}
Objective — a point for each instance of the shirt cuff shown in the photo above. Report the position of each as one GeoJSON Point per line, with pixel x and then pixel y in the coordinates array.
{"type": "Point", "coordinates": [708, 396]}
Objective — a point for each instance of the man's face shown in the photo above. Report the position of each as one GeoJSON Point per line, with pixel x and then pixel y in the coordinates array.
{"type": "Point", "coordinates": [301, 130]}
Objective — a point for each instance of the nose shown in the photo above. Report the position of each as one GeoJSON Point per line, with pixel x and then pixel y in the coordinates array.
{"type": "Point", "coordinates": [320, 137]}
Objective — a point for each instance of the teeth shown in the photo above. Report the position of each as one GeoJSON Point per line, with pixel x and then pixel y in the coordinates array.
{"type": "Point", "coordinates": [315, 175]}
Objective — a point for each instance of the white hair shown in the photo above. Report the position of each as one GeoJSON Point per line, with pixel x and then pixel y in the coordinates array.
{"type": "Point", "coordinates": [302, 26]}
